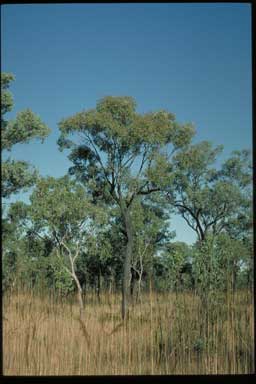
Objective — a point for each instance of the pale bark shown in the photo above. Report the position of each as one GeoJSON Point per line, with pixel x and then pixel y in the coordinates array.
{"type": "Point", "coordinates": [72, 273]}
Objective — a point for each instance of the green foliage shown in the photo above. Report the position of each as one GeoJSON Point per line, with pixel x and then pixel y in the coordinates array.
{"type": "Point", "coordinates": [160, 173]}
{"type": "Point", "coordinates": [113, 149]}
{"type": "Point", "coordinates": [59, 204]}
{"type": "Point", "coordinates": [172, 268]}
{"type": "Point", "coordinates": [217, 261]}
{"type": "Point", "coordinates": [99, 257]}
{"type": "Point", "coordinates": [12, 249]}
{"type": "Point", "coordinates": [199, 345]}
{"type": "Point", "coordinates": [63, 282]}
{"type": "Point", "coordinates": [60, 209]}
{"type": "Point", "coordinates": [151, 229]}
{"type": "Point", "coordinates": [238, 168]}
{"type": "Point", "coordinates": [17, 175]}
{"type": "Point", "coordinates": [124, 137]}
{"type": "Point", "coordinates": [123, 161]}
{"type": "Point", "coordinates": [24, 265]}
{"type": "Point", "coordinates": [25, 256]}
{"type": "Point", "coordinates": [210, 200]}
{"type": "Point", "coordinates": [6, 97]}
{"type": "Point", "coordinates": [24, 128]}
{"type": "Point", "coordinates": [9, 261]}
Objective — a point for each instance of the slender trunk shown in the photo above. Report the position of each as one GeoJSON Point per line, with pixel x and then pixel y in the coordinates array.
{"type": "Point", "coordinates": [80, 299]}
{"type": "Point", "coordinates": [74, 276]}
{"type": "Point", "coordinates": [79, 295]}
{"type": "Point", "coordinates": [127, 263]}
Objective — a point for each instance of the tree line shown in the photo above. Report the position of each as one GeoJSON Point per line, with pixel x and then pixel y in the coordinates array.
{"type": "Point", "coordinates": [106, 225]}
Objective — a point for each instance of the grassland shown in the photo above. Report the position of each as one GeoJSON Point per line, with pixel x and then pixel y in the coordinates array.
{"type": "Point", "coordinates": [164, 333]}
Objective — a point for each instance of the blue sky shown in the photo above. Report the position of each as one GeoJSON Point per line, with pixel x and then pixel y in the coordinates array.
{"type": "Point", "coordinates": [192, 59]}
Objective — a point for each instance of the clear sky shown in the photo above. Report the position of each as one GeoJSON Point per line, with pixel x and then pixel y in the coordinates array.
{"type": "Point", "coordinates": [192, 59]}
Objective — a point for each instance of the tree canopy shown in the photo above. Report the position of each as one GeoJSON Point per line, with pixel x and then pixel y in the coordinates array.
{"type": "Point", "coordinates": [114, 148]}
{"type": "Point", "coordinates": [209, 199]}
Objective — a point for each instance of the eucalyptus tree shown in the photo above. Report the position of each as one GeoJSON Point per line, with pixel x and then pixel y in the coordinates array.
{"type": "Point", "coordinates": [61, 210]}
{"type": "Point", "coordinates": [117, 152]}
{"type": "Point", "coordinates": [26, 126]}
{"type": "Point", "coordinates": [211, 200]}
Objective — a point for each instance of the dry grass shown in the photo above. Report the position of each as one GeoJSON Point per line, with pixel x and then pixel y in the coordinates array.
{"type": "Point", "coordinates": [164, 334]}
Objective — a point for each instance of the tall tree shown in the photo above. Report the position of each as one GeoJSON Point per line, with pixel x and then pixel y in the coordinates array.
{"type": "Point", "coordinates": [117, 152]}
{"type": "Point", "coordinates": [25, 127]}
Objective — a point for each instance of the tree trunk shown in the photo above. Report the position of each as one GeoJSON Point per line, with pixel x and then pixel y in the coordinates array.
{"type": "Point", "coordinates": [127, 263]}
{"type": "Point", "coordinates": [79, 295]}
{"type": "Point", "coordinates": [202, 234]}
{"type": "Point", "coordinates": [80, 299]}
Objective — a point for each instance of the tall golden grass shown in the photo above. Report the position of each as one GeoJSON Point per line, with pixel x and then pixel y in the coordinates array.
{"type": "Point", "coordinates": [164, 333]}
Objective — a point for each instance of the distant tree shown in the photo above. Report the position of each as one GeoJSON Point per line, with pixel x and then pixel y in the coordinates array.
{"type": "Point", "coordinates": [174, 261]}
{"type": "Point", "coordinates": [24, 255]}
{"type": "Point", "coordinates": [211, 201]}
{"type": "Point", "coordinates": [26, 126]}
{"type": "Point", "coordinates": [151, 225]}
{"type": "Point", "coordinates": [10, 243]}
{"type": "Point", "coordinates": [117, 152]}
{"type": "Point", "coordinates": [237, 170]}
{"type": "Point", "coordinates": [217, 263]}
